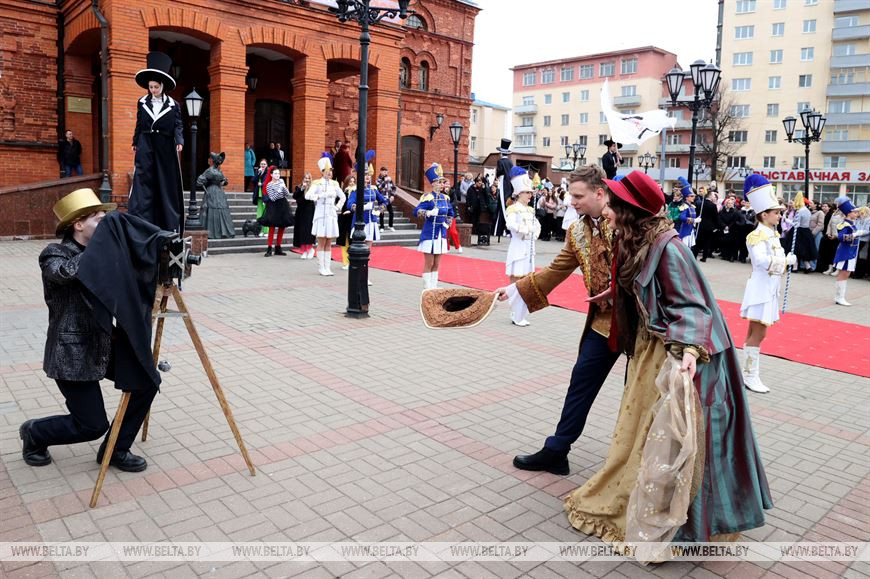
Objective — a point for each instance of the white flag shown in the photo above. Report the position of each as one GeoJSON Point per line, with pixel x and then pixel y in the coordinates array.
{"type": "Point", "coordinates": [635, 128]}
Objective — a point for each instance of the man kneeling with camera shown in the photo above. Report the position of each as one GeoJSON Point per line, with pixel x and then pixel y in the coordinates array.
{"type": "Point", "coordinates": [81, 345]}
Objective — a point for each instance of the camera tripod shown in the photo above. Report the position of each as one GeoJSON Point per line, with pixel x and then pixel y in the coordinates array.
{"type": "Point", "coordinates": [160, 314]}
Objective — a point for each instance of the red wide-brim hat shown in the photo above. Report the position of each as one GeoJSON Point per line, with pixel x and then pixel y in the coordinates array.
{"type": "Point", "coordinates": [640, 190]}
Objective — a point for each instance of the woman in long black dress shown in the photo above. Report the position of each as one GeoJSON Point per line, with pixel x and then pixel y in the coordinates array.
{"type": "Point", "coordinates": [215, 210]}
{"type": "Point", "coordinates": [302, 237]}
{"type": "Point", "coordinates": [156, 194]}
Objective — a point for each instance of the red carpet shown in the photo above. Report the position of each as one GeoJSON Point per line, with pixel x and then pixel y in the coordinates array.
{"type": "Point", "coordinates": [834, 345]}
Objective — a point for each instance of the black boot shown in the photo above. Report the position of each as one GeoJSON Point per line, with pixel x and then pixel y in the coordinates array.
{"type": "Point", "coordinates": [279, 251]}
{"type": "Point", "coordinates": [268, 252]}
{"type": "Point", "coordinates": [545, 459]}
{"type": "Point", "coordinates": [123, 460]}
{"type": "Point", "coordinates": [33, 454]}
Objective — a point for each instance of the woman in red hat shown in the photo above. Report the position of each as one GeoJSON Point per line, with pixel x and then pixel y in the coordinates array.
{"type": "Point", "coordinates": [683, 463]}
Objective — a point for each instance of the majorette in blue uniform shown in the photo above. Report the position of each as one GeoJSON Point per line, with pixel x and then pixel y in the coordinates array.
{"type": "Point", "coordinates": [370, 213]}
{"type": "Point", "coordinates": [688, 216]}
{"type": "Point", "coordinates": [847, 252]}
{"type": "Point", "coordinates": [437, 210]}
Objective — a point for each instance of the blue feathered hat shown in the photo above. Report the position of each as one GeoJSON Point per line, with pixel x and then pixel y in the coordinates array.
{"type": "Point", "coordinates": [520, 180]}
{"type": "Point", "coordinates": [434, 172]}
{"type": "Point", "coordinates": [685, 188]}
{"type": "Point", "coordinates": [370, 154]}
{"type": "Point", "coordinates": [759, 192]}
{"type": "Point", "coordinates": [324, 162]}
{"type": "Point", "coordinates": [845, 206]}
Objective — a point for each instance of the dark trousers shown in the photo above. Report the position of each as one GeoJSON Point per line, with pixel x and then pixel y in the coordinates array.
{"type": "Point", "coordinates": [591, 369]}
{"type": "Point", "coordinates": [704, 243]}
{"type": "Point", "coordinates": [87, 419]}
{"type": "Point", "coordinates": [390, 210]}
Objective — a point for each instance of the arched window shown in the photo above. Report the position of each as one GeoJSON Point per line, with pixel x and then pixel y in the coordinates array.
{"type": "Point", "coordinates": [414, 21]}
{"type": "Point", "coordinates": [405, 73]}
{"type": "Point", "coordinates": [424, 75]}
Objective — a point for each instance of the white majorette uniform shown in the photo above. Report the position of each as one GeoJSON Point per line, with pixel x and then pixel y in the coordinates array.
{"type": "Point", "coordinates": [328, 199]}
{"type": "Point", "coordinates": [524, 228]}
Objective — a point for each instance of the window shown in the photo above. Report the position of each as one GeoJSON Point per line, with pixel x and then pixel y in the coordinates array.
{"type": "Point", "coordinates": [844, 49]}
{"type": "Point", "coordinates": [528, 78]}
{"type": "Point", "coordinates": [566, 97]}
{"type": "Point", "coordinates": [674, 162]}
{"type": "Point", "coordinates": [675, 139]}
{"type": "Point", "coordinates": [773, 109]}
{"type": "Point", "coordinates": [739, 110]}
{"type": "Point", "coordinates": [741, 84]}
{"type": "Point", "coordinates": [545, 141]}
{"type": "Point", "coordinates": [414, 21]}
{"type": "Point", "coordinates": [742, 59]}
{"type": "Point", "coordinates": [798, 162]}
{"type": "Point", "coordinates": [809, 26]}
{"type": "Point", "coordinates": [629, 111]}
{"type": "Point", "coordinates": [629, 65]}
{"type": "Point", "coordinates": [774, 82]}
{"type": "Point", "coordinates": [803, 106]}
{"type": "Point", "coordinates": [582, 140]}
{"type": "Point", "coordinates": [628, 161]}
{"type": "Point", "coordinates": [845, 22]}
{"type": "Point", "coordinates": [424, 75]}
{"type": "Point", "coordinates": [776, 56]}
{"type": "Point", "coordinates": [473, 116]}
{"type": "Point", "coordinates": [799, 134]}
{"type": "Point", "coordinates": [807, 54]}
{"type": "Point", "coordinates": [565, 120]}
{"type": "Point", "coordinates": [584, 118]}
{"type": "Point", "coordinates": [587, 70]}
{"type": "Point", "coordinates": [602, 118]}
{"type": "Point", "coordinates": [805, 80]}
{"type": "Point", "coordinates": [567, 73]}
{"type": "Point", "coordinates": [835, 162]}
{"type": "Point", "coordinates": [472, 143]}
{"type": "Point", "coordinates": [548, 99]}
{"type": "Point", "coordinates": [526, 140]}
{"type": "Point", "coordinates": [843, 78]}
{"type": "Point", "coordinates": [601, 139]}
{"type": "Point", "coordinates": [837, 134]}
{"type": "Point", "coordinates": [528, 100]}
{"type": "Point", "coordinates": [629, 90]}
{"type": "Point", "coordinates": [738, 136]}
{"type": "Point", "coordinates": [769, 136]}
{"type": "Point", "coordinates": [779, 4]}
{"type": "Point", "coordinates": [745, 6]}
{"type": "Point", "coordinates": [777, 29]}
{"type": "Point", "coordinates": [528, 121]}
{"type": "Point", "coordinates": [546, 120]}
{"type": "Point", "coordinates": [405, 73]}
{"type": "Point", "coordinates": [769, 162]}
{"type": "Point", "coordinates": [676, 114]}
{"type": "Point", "coordinates": [811, 2]}
{"type": "Point", "coordinates": [563, 141]}
{"type": "Point", "coordinates": [743, 32]}
{"type": "Point", "coordinates": [606, 69]}
{"type": "Point", "coordinates": [548, 76]}
{"type": "Point", "coordinates": [839, 106]}
{"type": "Point", "coordinates": [584, 95]}
{"type": "Point", "coordinates": [736, 161]}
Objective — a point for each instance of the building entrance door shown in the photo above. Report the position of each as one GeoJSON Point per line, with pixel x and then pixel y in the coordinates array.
{"type": "Point", "coordinates": [412, 163]}
{"type": "Point", "coordinates": [272, 125]}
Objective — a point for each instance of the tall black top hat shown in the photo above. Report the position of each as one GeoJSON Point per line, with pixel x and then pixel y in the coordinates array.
{"type": "Point", "coordinates": [158, 65]}
{"type": "Point", "coordinates": [610, 142]}
{"type": "Point", "coordinates": [505, 146]}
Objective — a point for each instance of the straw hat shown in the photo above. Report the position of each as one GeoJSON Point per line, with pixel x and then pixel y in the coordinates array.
{"type": "Point", "coordinates": [455, 308]}
{"type": "Point", "coordinates": [77, 204]}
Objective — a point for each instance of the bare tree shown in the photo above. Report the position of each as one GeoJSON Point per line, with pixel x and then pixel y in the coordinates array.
{"type": "Point", "coordinates": [715, 144]}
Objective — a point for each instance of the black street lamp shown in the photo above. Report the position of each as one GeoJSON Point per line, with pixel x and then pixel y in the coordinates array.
{"type": "Point", "coordinates": [647, 161]}
{"type": "Point", "coordinates": [576, 152]}
{"type": "Point", "coordinates": [813, 123]}
{"type": "Point", "coordinates": [704, 77]}
{"type": "Point", "coordinates": [744, 172]}
{"type": "Point", "coordinates": [194, 107]}
{"type": "Point", "coordinates": [456, 135]}
{"type": "Point", "coordinates": [358, 253]}
{"type": "Point", "coordinates": [700, 168]}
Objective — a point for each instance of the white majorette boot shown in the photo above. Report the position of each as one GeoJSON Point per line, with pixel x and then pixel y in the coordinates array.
{"type": "Point", "coordinates": [427, 283]}
{"type": "Point", "coordinates": [840, 300]}
{"type": "Point", "coordinates": [434, 278]}
{"type": "Point", "coordinates": [327, 263]}
{"type": "Point", "coordinates": [751, 370]}
{"type": "Point", "coordinates": [321, 264]}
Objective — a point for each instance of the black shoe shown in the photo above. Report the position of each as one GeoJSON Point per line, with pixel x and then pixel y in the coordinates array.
{"type": "Point", "coordinates": [279, 251]}
{"type": "Point", "coordinates": [33, 454]}
{"type": "Point", "coordinates": [703, 259]}
{"type": "Point", "coordinates": [268, 252]}
{"type": "Point", "coordinates": [124, 460]}
{"type": "Point", "coordinates": [544, 459]}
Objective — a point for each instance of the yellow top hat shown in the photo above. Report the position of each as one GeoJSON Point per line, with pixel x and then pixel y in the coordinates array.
{"type": "Point", "coordinates": [77, 204]}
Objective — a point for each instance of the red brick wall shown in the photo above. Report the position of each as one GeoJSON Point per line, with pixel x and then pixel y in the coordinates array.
{"type": "Point", "coordinates": [28, 85]}
{"type": "Point", "coordinates": [28, 207]}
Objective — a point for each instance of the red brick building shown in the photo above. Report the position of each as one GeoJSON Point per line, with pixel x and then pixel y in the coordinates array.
{"type": "Point", "coordinates": [303, 63]}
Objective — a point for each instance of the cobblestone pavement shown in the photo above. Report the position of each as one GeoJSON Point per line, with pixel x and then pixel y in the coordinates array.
{"type": "Point", "coordinates": [378, 429]}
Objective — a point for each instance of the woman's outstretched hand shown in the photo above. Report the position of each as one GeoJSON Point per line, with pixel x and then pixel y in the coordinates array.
{"type": "Point", "coordinates": [602, 297]}
{"type": "Point", "coordinates": [689, 365]}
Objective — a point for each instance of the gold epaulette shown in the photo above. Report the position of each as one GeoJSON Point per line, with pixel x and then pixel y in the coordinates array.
{"type": "Point", "coordinates": [427, 197]}
{"type": "Point", "coordinates": [842, 225]}
{"type": "Point", "coordinates": [519, 207]}
{"type": "Point", "coordinates": [683, 207]}
{"type": "Point", "coordinates": [759, 235]}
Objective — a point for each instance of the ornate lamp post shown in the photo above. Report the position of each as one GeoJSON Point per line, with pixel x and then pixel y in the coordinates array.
{"type": "Point", "coordinates": [647, 161]}
{"type": "Point", "coordinates": [456, 135]}
{"type": "Point", "coordinates": [813, 123]}
{"type": "Point", "coordinates": [363, 13]}
{"type": "Point", "coordinates": [576, 152]}
{"type": "Point", "coordinates": [194, 106]}
{"type": "Point", "coordinates": [744, 172]}
{"type": "Point", "coordinates": [704, 77]}
{"type": "Point", "coordinates": [700, 168]}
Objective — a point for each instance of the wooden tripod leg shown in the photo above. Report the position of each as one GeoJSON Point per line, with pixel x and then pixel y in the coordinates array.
{"type": "Point", "coordinates": [212, 377]}
{"type": "Point", "coordinates": [110, 446]}
{"type": "Point", "coordinates": [158, 336]}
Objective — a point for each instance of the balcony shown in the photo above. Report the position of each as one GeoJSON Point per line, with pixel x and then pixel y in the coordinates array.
{"type": "Point", "coordinates": [524, 130]}
{"type": "Point", "coordinates": [832, 147]}
{"type": "Point", "coordinates": [852, 89]}
{"type": "Point", "coordinates": [847, 119]}
{"type": "Point", "coordinates": [526, 109]}
{"type": "Point", "coordinates": [626, 101]}
{"type": "Point", "coordinates": [843, 6]}
{"type": "Point", "coordinates": [528, 149]}
{"type": "Point", "coordinates": [686, 125]}
{"type": "Point", "coordinates": [851, 61]}
{"type": "Point", "coordinates": [851, 32]}
{"type": "Point", "coordinates": [627, 149]}
{"type": "Point", "coordinates": [681, 149]}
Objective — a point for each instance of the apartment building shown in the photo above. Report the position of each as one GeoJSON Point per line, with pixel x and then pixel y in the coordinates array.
{"type": "Point", "coordinates": [487, 127]}
{"type": "Point", "coordinates": [557, 103]}
{"type": "Point", "coordinates": [779, 57]}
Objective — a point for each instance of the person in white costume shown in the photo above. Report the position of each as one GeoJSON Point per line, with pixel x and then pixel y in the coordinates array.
{"type": "Point", "coordinates": [761, 298]}
{"type": "Point", "coordinates": [524, 228]}
{"type": "Point", "coordinates": [328, 199]}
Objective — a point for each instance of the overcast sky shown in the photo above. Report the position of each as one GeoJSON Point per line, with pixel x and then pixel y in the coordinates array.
{"type": "Point", "coordinates": [512, 32]}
